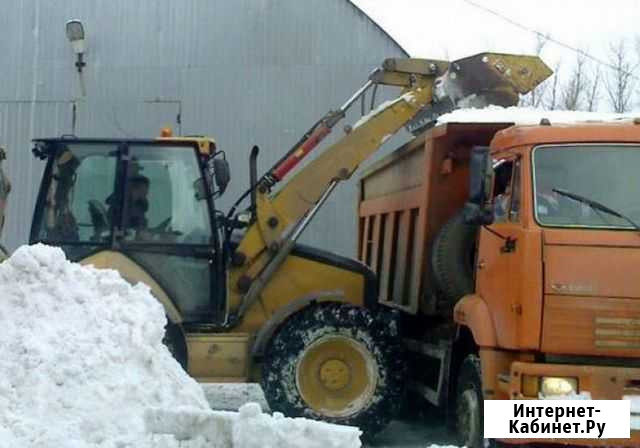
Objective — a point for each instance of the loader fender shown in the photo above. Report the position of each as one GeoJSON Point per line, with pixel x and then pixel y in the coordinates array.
{"type": "Point", "coordinates": [263, 336]}
{"type": "Point", "coordinates": [472, 312]}
{"type": "Point", "coordinates": [133, 273]}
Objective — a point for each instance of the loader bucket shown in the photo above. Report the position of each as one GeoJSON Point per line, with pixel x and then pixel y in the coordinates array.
{"type": "Point", "coordinates": [480, 80]}
{"type": "Point", "coordinates": [500, 78]}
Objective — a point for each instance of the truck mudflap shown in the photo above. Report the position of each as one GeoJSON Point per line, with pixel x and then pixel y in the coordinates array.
{"type": "Point", "coordinates": [600, 382]}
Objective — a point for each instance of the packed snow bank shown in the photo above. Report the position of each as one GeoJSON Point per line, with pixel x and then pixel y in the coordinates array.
{"type": "Point", "coordinates": [82, 364]}
{"type": "Point", "coordinates": [250, 428]}
{"type": "Point", "coordinates": [527, 116]}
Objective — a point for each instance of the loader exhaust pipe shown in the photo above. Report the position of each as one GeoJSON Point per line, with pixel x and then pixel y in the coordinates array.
{"type": "Point", "coordinates": [253, 179]}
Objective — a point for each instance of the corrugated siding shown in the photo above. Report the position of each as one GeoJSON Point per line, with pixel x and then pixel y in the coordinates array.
{"type": "Point", "coordinates": [244, 71]}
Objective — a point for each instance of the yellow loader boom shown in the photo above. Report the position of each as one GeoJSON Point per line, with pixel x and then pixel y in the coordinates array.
{"type": "Point", "coordinates": [278, 219]}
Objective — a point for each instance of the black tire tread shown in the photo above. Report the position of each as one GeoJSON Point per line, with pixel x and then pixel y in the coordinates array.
{"type": "Point", "coordinates": [451, 270]}
{"type": "Point", "coordinates": [290, 340]}
{"type": "Point", "coordinates": [470, 373]}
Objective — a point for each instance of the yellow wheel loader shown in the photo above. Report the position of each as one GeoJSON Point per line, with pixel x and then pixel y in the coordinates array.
{"type": "Point", "coordinates": [243, 300]}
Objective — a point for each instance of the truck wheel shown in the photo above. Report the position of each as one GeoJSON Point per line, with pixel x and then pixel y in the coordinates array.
{"type": "Point", "coordinates": [452, 259]}
{"type": "Point", "coordinates": [175, 341]}
{"type": "Point", "coordinates": [469, 404]}
{"type": "Point", "coordinates": [337, 363]}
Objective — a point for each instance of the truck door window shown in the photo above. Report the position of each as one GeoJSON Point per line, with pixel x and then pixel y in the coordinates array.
{"type": "Point", "coordinates": [514, 213]}
{"type": "Point", "coordinates": [502, 189]}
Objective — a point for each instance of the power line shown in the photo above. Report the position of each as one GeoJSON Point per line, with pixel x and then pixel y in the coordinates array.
{"type": "Point", "coordinates": [549, 38]}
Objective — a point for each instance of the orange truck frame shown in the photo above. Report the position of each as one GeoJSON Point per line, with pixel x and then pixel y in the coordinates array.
{"type": "Point", "coordinates": [516, 264]}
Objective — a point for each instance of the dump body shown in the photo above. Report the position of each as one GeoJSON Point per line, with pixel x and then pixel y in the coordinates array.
{"type": "Point", "coordinates": [405, 199]}
{"type": "Point", "coordinates": [553, 296]}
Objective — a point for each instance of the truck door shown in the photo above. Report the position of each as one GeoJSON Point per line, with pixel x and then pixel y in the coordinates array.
{"type": "Point", "coordinates": [501, 274]}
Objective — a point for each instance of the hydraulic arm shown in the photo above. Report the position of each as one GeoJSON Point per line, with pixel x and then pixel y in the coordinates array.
{"type": "Point", "coordinates": [280, 218]}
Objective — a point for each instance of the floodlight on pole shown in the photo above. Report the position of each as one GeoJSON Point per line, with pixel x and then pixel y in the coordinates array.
{"type": "Point", "coordinates": [75, 33]}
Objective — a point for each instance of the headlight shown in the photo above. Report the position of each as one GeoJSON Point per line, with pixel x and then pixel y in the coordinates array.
{"type": "Point", "coordinates": [555, 386]}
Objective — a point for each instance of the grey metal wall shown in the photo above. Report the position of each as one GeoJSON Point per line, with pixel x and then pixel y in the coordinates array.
{"type": "Point", "coordinates": [244, 71]}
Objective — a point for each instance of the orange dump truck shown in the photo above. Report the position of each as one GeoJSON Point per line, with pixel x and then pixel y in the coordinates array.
{"type": "Point", "coordinates": [514, 253]}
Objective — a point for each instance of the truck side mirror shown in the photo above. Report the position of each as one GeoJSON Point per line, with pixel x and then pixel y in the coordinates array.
{"type": "Point", "coordinates": [222, 174]}
{"type": "Point", "coordinates": [480, 175]}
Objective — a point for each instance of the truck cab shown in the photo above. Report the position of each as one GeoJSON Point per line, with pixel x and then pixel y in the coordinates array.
{"type": "Point", "coordinates": [512, 251]}
{"type": "Point", "coordinates": [556, 308]}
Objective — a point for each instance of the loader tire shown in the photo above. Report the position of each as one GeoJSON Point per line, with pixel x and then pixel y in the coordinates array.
{"type": "Point", "coordinates": [452, 259]}
{"type": "Point", "coordinates": [175, 341]}
{"type": "Point", "coordinates": [469, 404]}
{"type": "Point", "coordinates": [337, 363]}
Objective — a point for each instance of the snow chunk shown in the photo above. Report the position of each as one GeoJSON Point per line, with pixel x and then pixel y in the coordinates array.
{"type": "Point", "coordinates": [251, 428]}
{"type": "Point", "coordinates": [230, 396]}
{"type": "Point", "coordinates": [408, 97]}
{"type": "Point", "coordinates": [527, 116]}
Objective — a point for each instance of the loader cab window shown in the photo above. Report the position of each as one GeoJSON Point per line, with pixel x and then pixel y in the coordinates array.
{"type": "Point", "coordinates": [160, 198]}
{"type": "Point", "coordinates": [506, 190]}
{"type": "Point", "coordinates": [82, 177]}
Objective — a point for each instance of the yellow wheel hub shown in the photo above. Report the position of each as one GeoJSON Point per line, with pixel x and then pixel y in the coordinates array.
{"type": "Point", "coordinates": [336, 376]}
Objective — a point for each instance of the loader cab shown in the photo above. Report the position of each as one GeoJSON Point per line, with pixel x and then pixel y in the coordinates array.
{"type": "Point", "coordinates": [150, 200]}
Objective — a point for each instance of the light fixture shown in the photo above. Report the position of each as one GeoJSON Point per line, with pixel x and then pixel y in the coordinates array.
{"type": "Point", "coordinates": [75, 34]}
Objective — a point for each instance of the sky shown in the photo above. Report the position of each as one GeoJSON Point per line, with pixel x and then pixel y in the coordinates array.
{"type": "Point", "coordinates": [428, 28]}
{"type": "Point", "coordinates": [453, 29]}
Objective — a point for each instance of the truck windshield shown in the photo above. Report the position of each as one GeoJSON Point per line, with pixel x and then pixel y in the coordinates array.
{"type": "Point", "coordinates": [606, 174]}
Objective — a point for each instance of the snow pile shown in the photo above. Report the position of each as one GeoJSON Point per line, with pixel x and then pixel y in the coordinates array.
{"type": "Point", "coordinates": [82, 355]}
{"type": "Point", "coordinates": [82, 364]}
{"type": "Point", "coordinates": [527, 116]}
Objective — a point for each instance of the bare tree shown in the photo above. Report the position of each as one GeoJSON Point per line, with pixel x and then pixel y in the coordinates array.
{"type": "Point", "coordinates": [594, 92]}
{"type": "Point", "coordinates": [575, 91]}
{"type": "Point", "coordinates": [553, 97]}
{"type": "Point", "coordinates": [620, 82]}
{"type": "Point", "coordinates": [536, 96]}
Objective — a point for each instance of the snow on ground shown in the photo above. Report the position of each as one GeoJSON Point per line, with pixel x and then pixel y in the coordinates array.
{"type": "Point", "coordinates": [230, 396]}
{"type": "Point", "coordinates": [527, 116]}
{"type": "Point", "coordinates": [83, 365]}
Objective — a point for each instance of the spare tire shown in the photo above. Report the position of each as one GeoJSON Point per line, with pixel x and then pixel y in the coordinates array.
{"type": "Point", "coordinates": [452, 259]}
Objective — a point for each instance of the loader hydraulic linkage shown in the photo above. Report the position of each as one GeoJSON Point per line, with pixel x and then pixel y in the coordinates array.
{"type": "Point", "coordinates": [428, 87]}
